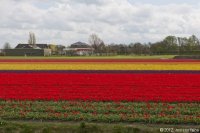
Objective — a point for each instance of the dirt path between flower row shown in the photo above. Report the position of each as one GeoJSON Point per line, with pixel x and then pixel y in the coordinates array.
{"type": "Point", "coordinates": [136, 125]}
{"type": "Point", "coordinates": [79, 127]}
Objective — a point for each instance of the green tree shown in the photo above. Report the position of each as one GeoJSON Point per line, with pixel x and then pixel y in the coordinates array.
{"type": "Point", "coordinates": [193, 43]}
{"type": "Point", "coordinates": [171, 44]}
{"type": "Point", "coordinates": [137, 48]}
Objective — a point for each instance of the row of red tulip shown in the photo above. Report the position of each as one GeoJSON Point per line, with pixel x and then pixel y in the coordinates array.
{"type": "Point", "coordinates": [101, 87]}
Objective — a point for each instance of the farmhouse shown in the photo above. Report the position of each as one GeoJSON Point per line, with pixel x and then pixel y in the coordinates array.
{"type": "Point", "coordinates": [29, 50]}
{"type": "Point", "coordinates": [79, 48]}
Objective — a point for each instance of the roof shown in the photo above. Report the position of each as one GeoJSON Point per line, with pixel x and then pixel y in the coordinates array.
{"type": "Point", "coordinates": [80, 45]}
{"type": "Point", "coordinates": [42, 46]}
{"type": "Point", "coordinates": [77, 49]}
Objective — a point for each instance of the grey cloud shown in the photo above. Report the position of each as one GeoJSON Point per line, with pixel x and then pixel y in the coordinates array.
{"type": "Point", "coordinates": [65, 21]}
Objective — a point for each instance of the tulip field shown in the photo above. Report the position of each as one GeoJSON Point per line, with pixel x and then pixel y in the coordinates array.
{"type": "Point", "coordinates": [101, 90]}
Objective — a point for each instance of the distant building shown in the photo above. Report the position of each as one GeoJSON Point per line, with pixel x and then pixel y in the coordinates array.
{"type": "Point", "coordinates": [2, 53]}
{"type": "Point", "coordinates": [29, 50]}
{"type": "Point", "coordinates": [79, 48]}
{"type": "Point", "coordinates": [56, 49]}
{"type": "Point", "coordinates": [36, 46]}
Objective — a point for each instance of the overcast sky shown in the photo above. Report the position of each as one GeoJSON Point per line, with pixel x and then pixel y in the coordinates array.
{"type": "Point", "coordinates": [118, 21]}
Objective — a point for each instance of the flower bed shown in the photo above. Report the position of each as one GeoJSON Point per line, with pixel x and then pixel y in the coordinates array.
{"type": "Point", "coordinates": [153, 91]}
{"type": "Point", "coordinates": [100, 66]}
{"type": "Point", "coordinates": [170, 113]}
{"type": "Point", "coordinates": [100, 86]}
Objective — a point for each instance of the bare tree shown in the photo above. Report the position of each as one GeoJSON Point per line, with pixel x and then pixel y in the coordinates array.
{"type": "Point", "coordinates": [32, 39]}
{"type": "Point", "coordinates": [95, 42]}
{"type": "Point", "coordinates": [7, 46]}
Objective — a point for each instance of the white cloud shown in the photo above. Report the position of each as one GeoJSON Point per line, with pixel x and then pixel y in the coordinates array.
{"type": "Point", "coordinates": [67, 21]}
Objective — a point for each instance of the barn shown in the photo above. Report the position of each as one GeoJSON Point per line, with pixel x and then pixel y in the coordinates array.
{"type": "Point", "coordinates": [29, 50]}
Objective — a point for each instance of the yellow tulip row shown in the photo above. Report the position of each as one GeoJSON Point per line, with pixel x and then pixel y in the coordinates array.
{"type": "Point", "coordinates": [99, 66]}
